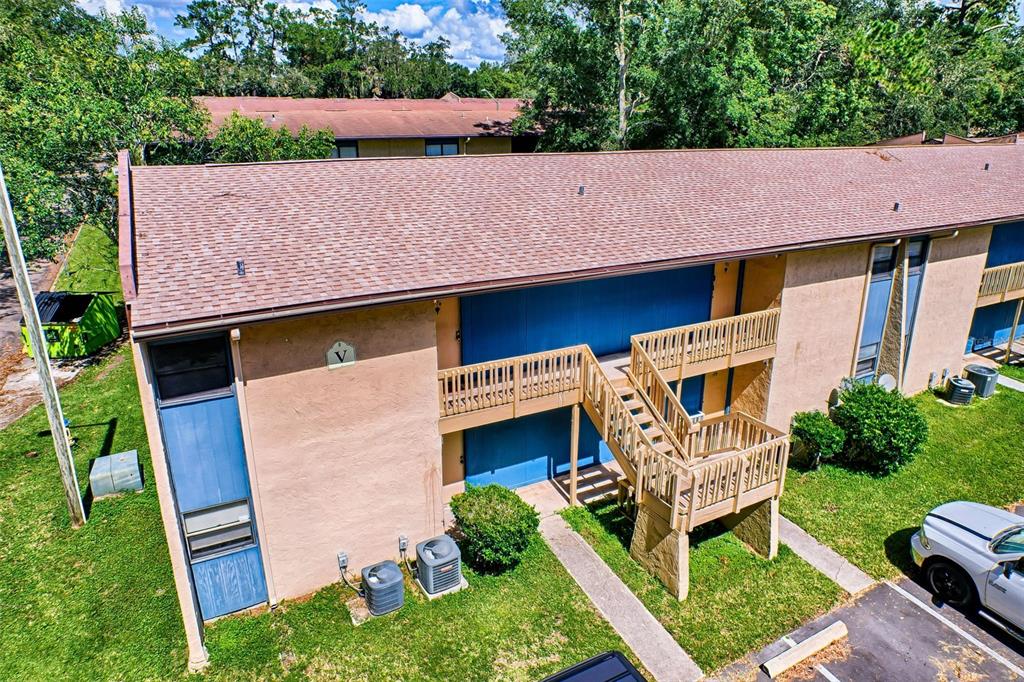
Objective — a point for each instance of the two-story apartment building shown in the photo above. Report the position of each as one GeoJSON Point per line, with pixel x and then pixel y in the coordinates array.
{"type": "Point", "coordinates": [447, 126]}
{"type": "Point", "coordinates": [317, 380]}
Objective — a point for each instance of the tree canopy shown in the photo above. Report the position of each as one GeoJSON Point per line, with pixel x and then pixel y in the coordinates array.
{"type": "Point", "coordinates": [597, 74]}
{"type": "Point", "coordinates": [609, 74]}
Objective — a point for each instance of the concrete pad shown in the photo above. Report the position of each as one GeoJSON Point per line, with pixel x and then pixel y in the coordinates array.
{"type": "Point", "coordinates": [832, 565]}
{"type": "Point", "coordinates": [551, 496]}
{"type": "Point", "coordinates": [664, 659]}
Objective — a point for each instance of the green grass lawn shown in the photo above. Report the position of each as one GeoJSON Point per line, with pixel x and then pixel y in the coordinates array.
{"type": "Point", "coordinates": [91, 263]}
{"type": "Point", "coordinates": [99, 602]}
{"type": "Point", "coordinates": [737, 602]}
{"type": "Point", "coordinates": [1012, 371]}
{"type": "Point", "coordinates": [973, 453]}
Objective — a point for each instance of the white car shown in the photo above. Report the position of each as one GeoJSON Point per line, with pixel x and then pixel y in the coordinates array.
{"type": "Point", "coordinates": [973, 555]}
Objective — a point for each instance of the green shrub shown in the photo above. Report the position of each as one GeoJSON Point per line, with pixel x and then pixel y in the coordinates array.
{"type": "Point", "coordinates": [883, 429]}
{"type": "Point", "coordinates": [495, 524]}
{"type": "Point", "coordinates": [818, 437]}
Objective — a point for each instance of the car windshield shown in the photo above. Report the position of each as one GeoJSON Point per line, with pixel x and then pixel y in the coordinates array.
{"type": "Point", "coordinates": [1011, 541]}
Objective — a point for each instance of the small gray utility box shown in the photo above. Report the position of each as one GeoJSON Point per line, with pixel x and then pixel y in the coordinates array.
{"type": "Point", "coordinates": [115, 474]}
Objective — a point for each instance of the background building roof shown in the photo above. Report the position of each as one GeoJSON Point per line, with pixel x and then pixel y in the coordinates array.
{"type": "Point", "coordinates": [347, 232]}
{"type": "Point", "coordinates": [375, 118]}
{"type": "Point", "coordinates": [949, 138]}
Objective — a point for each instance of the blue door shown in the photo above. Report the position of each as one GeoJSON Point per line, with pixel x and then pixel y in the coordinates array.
{"type": "Point", "coordinates": [992, 325]}
{"type": "Point", "coordinates": [203, 441]}
{"type": "Point", "coordinates": [602, 313]}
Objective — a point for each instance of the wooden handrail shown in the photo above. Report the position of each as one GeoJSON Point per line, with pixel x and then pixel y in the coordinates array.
{"type": "Point", "coordinates": [660, 398]}
{"type": "Point", "coordinates": [711, 340]}
{"type": "Point", "coordinates": [1001, 279]}
{"type": "Point", "coordinates": [656, 473]}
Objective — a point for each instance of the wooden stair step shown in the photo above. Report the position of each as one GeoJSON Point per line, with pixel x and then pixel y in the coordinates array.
{"type": "Point", "coordinates": [654, 432]}
{"type": "Point", "coordinates": [664, 447]}
{"type": "Point", "coordinates": [643, 418]}
{"type": "Point", "coordinates": [625, 391]}
{"type": "Point", "coordinates": [634, 404]}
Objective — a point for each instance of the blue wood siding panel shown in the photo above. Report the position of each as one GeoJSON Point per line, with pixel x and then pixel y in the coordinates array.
{"type": "Point", "coordinates": [230, 583]}
{"type": "Point", "coordinates": [603, 313]}
{"type": "Point", "coordinates": [205, 452]}
{"type": "Point", "coordinates": [1007, 245]}
{"type": "Point", "coordinates": [991, 326]}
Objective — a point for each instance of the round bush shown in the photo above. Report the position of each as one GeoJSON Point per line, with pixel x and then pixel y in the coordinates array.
{"type": "Point", "coordinates": [496, 526]}
{"type": "Point", "coordinates": [883, 429]}
{"type": "Point", "coordinates": [819, 438]}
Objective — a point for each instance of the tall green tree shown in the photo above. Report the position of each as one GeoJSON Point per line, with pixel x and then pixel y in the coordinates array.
{"type": "Point", "coordinates": [241, 139]}
{"type": "Point", "coordinates": [608, 74]}
{"type": "Point", "coordinates": [74, 89]}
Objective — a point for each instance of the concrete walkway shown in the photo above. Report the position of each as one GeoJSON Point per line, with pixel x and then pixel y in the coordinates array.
{"type": "Point", "coordinates": [1010, 383]}
{"type": "Point", "coordinates": [664, 659]}
{"type": "Point", "coordinates": [830, 564]}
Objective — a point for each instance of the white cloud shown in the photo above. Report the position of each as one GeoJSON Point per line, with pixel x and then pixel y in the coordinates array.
{"type": "Point", "coordinates": [97, 6]}
{"type": "Point", "coordinates": [412, 20]}
{"type": "Point", "coordinates": [472, 27]}
{"type": "Point", "coordinates": [300, 6]}
{"type": "Point", "coordinates": [473, 32]}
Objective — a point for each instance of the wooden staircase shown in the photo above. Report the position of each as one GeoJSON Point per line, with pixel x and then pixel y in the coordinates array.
{"type": "Point", "coordinates": [688, 472]}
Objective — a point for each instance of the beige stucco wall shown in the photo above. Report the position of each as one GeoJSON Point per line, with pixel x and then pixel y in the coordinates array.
{"type": "Point", "coordinates": [818, 327]}
{"type": "Point", "coordinates": [946, 306]}
{"type": "Point", "coordinates": [345, 459]}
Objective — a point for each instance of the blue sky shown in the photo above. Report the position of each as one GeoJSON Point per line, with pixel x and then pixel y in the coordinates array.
{"type": "Point", "coordinates": [473, 27]}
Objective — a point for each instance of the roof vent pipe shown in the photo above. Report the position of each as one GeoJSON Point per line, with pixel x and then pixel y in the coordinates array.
{"type": "Point", "coordinates": [582, 190]}
{"type": "Point", "coordinates": [986, 166]}
{"type": "Point", "coordinates": [240, 268]}
{"type": "Point", "coordinates": [896, 206]}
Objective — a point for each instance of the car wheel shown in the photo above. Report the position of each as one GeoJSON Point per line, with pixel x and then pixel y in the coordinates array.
{"type": "Point", "coordinates": [952, 584]}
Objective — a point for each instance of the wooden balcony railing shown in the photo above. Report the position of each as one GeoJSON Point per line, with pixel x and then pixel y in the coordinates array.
{"type": "Point", "coordinates": [726, 483]}
{"type": "Point", "coordinates": [734, 431]}
{"type": "Point", "coordinates": [470, 388]}
{"type": "Point", "coordinates": [998, 282]}
{"type": "Point", "coordinates": [712, 340]}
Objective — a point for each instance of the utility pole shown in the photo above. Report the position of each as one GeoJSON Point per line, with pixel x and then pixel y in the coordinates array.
{"type": "Point", "coordinates": [61, 442]}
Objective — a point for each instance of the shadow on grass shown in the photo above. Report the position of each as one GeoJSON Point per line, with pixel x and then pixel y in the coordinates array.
{"type": "Point", "coordinates": [897, 550]}
{"type": "Point", "coordinates": [615, 522]}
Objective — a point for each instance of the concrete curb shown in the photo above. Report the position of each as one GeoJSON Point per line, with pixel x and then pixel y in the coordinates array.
{"type": "Point", "coordinates": [664, 659]}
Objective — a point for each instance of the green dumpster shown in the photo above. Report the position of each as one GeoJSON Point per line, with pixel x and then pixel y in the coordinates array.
{"type": "Point", "coordinates": [75, 325]}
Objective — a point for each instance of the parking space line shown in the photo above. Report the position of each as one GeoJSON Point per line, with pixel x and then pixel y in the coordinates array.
{"type": "Point", "coordinates": [826, 674]}
{"type": "Point", "coordinates": [956, 628]}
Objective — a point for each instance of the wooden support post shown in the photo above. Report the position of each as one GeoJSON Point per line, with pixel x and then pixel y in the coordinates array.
{"type": "Point", "coordinates": [574, 452]}
{"type": "Point", "coordinates": [61, 440]}
{"type": "Point", "coordinates": [1013, 332]}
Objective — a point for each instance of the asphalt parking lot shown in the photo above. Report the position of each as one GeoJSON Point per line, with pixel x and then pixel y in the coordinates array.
{"type": "Point", "coordinates": [897, 632]}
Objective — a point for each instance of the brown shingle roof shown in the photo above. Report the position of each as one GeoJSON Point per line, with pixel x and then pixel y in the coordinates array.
{"type": "Point", "coordinates": [353, 231]}
{"type": "Point", "coordinates": [374, 118]}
